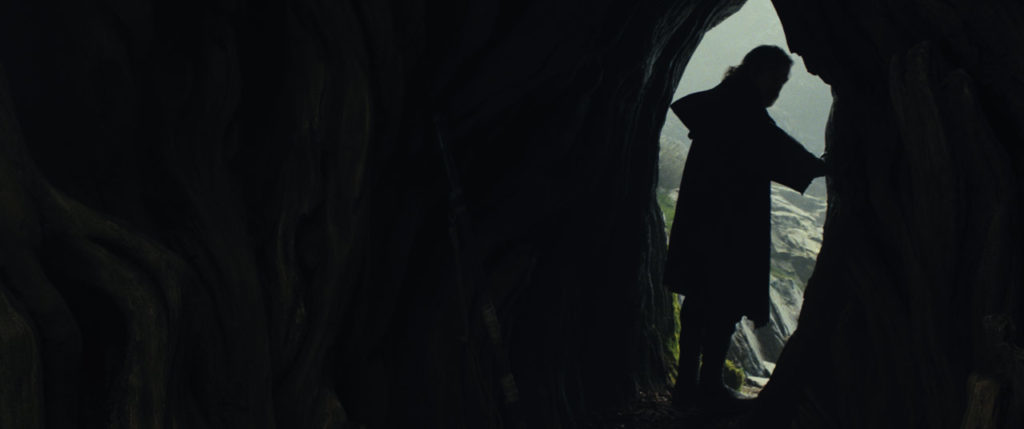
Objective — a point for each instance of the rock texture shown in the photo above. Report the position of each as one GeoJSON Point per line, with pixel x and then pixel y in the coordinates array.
{"type": "Point", "coordinates": [922, 239]}
{"type": "Point", "coordinates": [797, 222]}
{"type": "Point", "coordinates": [236, 213]}
{"type": "Point", "coordinates": [757, 350]}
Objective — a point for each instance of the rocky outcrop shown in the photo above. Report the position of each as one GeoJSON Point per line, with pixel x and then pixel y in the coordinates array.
{"type": "Point", "coordinates": [796, 225]}
{"type": "Point", "coordinates": [797, 221]}
{"type": "Point", "coordinates": [756, 350]}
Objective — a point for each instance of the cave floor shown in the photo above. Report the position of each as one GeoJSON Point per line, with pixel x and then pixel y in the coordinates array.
{"type": "Point", "coordinates": [653, 410]}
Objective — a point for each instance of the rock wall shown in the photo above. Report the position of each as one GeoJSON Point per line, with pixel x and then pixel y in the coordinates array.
{"type": "Point", "coordinates": [917, 288]}
{"type": "Point", "coordinates": [236, 213]}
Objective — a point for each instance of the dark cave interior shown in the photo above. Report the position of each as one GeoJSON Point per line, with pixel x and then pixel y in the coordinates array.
{"type": "Point", "coordinates": [238, 213]}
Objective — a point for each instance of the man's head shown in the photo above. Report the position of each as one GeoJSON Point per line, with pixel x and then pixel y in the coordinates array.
{"type": "Point", "coordinates": [767, 68]}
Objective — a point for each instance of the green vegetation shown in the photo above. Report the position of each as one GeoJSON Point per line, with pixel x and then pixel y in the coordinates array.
{"type": "Point", "coordinates": [672, 345]}
{"type": "Point", "coordinates": [671, 157]}
{"type": "Point", "coordinates": [668, 207]}
{"type": "Point", "coordinates": [733, 376]}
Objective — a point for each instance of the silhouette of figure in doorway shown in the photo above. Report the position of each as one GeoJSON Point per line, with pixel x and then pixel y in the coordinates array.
{"type": "Point", "coordinates": [720, 239]}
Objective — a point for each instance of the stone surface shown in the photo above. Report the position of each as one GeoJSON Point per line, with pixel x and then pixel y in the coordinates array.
{"type": "Point", "coordinates": [924, 146]}
{"type": "Point", "coordinates": [796, 225]}
{"type": "Point", "coordinates": [236, 213]}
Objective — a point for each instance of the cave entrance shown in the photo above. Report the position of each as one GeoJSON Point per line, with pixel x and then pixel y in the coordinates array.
{"type": "Point", "coordinates": [802, 110]}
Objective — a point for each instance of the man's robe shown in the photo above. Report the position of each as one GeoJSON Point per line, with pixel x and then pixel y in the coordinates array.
{"type": "Point", "coordinates": [721, 237]}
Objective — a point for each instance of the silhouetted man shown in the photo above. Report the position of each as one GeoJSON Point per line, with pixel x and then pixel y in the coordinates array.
{"type": "Point", "coordinates": [720, 240]}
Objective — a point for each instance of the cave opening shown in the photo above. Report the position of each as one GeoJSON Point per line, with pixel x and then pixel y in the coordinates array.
{"type": "Point", "coordinates": [797, 220]}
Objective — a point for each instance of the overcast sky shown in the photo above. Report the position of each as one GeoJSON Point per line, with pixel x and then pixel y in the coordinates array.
{"type": "Point", "coordinates": [803, 107]}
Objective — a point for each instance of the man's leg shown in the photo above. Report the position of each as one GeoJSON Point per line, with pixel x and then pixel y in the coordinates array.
{"type": "Point", "coordinates": [691, 327]}
{"type": "Point", "coordinates": [717, 337]}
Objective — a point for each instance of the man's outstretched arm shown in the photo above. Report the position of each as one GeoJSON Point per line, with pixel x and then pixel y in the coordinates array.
{"type": "Point", "coordinates": [791, 164]}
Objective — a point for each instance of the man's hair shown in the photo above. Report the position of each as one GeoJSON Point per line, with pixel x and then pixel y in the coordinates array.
{"type": "Point", "coordinates": [759, 60]}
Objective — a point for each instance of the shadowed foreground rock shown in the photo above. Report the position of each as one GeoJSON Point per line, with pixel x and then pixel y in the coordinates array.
{"type": "Point", "coordinates": [922, 242]}
{"type": "Point", "coordinates": [235, 214]}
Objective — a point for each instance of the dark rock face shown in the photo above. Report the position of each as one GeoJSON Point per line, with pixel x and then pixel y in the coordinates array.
{"type": "Point", "coordinates": [234, 214]}
{"type": "Point", "coordinates": [922, 240]}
